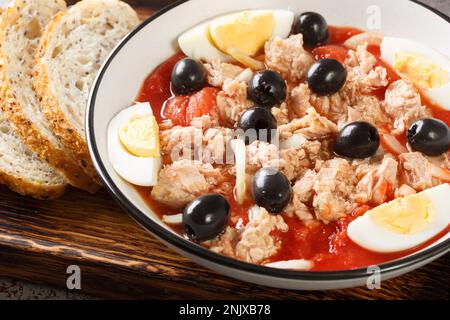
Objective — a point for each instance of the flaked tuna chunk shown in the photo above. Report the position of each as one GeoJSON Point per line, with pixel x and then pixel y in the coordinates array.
{"type": "Point", "coordinates": [302, 193]}
{"type": "Point", "coordinates": [253, 242]}
{"type": "Point", "coordinates": [220, 72]}
{"type": "Point", "coordinates": [404, 190]}
{"type": "Point", "coordinates": [203, 143]}
{"type": "Point", "coordinates": [403, 104]}
{"type": "Point", "coordinates": [292, 162]}
{"type": "Point", "coordinates": [333, 186]}
{"type": "Point", "coordinates": [417, 171]}
{"type": "Point", "coordinates": [256, 242]}
{"type": "Point", "coordinates": [183, 181]}
{"type": "Point", "coordinates": [313, 126]}
{"type": "Point", "coordinates": [362, 69]}
{"type": "Point", "coordinates": [347, 105]}
{"type": "Point", "coordinates": [378, 183]}
{"type": "Point", "coordinates": [232, 101]}
{"type": "Point", "coordinates": [281, 114]}
{"type": "Point", "coordinates": [366, 108]}
{"type": "Point", "coordinates": [288, 57]}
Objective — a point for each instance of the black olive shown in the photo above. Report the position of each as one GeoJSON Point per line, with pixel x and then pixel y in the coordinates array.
{"type": "Point", "coordinates": [267, 88]}
{"type": "Point", "coordinates": [271, 190]}
{"type": "Point", "coordinates": [313, 27]}
{"type": "Point", "coordinates": [188, 76]}
{"type": "Point", "coordinates": [357, 140]}
{"type": "Point", "coordinates": [206, 217]}
{"type": "Point", "coordinates": [326, 76]}
{"type": "Point", "coordinates": [256, 123]}
{"type": "Point", "coordinates": [429, 136]}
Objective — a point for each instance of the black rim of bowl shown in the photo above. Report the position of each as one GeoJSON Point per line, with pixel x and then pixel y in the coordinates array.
{"type": "Point", "coordinates": [203, 253]}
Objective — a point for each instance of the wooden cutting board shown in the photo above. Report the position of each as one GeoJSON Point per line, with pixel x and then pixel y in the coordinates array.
{"type": "Point", "coordinates": [118, 259]}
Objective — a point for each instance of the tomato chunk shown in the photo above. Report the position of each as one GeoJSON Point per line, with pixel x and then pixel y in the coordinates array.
{"type": "Point", "coordinates": [202, 103]}
{"type": "Point", "coordinates": [330, 51]}
{"type": "Point", "coordinates": [182, 109]}
{"type": "Point", "coordinates": [175, 110]}
{"type": "Point", "coordinates": [338, 35]}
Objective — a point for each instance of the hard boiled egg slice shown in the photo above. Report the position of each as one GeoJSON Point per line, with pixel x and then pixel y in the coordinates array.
{"type": "Point", "coordinates": [238, 36]}
{"type": "Point", "coordinates": [423, 66]}
{"type": "Point", "coordinates": [403, 223]}
{"type": "Point", "coordinates": [133, 145]}
{"type": "Point", "coordinates": [197, 44]}
{"type": "Point", "coordinates": [248, 31]}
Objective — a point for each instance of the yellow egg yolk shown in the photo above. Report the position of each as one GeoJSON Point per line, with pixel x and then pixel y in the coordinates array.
{"type": "Point", "coordinates": [420, 71]}
{"type": "Point", "coordinates": [140, 136]}
{"type": "Point", "coordinates": [246, 32]}
{"type": "Point", "coordinates": [406, 215]}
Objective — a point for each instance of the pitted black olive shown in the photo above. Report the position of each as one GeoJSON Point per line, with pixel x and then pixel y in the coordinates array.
{"type": "Point", "coordinates": [313, 27]}
{"type": "Point", "coordinates": [429, 136]}
{"type": "Point", "coordinates": [206, 217]}
{"type": "Point", "coordinates": [271, 190]}
{"type": "Point", "coordinates": [267, 88]}
{"type": "Point", "coordinates": [257, 123]}
{"type": "Point", "coordinates": [326, 76]}
{"type": "Point", "coordinates": [188, 76]}
{"type": "Point", "coordinates": [357, 140]}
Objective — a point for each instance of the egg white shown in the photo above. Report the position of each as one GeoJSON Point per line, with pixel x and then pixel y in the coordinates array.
{"type": "Point", "coordinates": [141, 171]}
{"type": "Point", "coordinates": [390, 46]}
{"type": "Point", "coordinates": [284, 20]}
{"type": "Point", "coordinates": [371, 236]}
{"type": "Point", "coordinates": [195, 43]}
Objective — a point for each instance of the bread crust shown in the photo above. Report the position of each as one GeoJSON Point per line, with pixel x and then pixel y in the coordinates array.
{"type": "Point", "coordinates": [24, 128]}
{"type": "Point", "coordinates": [62, 128]}
{"type": "Point", "coordinates": [30, 188]}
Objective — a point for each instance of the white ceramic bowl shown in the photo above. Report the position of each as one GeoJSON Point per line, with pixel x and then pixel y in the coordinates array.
{"type": "Point", "coordinates": [154, 41]}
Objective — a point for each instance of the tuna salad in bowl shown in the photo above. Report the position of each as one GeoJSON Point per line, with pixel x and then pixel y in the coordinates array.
{"type": "Point", "coordinates": [290, 144]}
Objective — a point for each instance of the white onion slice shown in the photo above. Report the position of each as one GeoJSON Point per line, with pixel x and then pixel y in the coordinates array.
{"type": "Point", "coordinates": [393, 144]}
{"type": "Point", "coordinates": [371, 38]}
{"type": "Point", "coordinates": [300, 264]}
{"type": "Point", "coordinates": [440, 173]}
{"type": "Point", "coordinates": [246, 60]}
{"type": "Point", "coordinates": [173, 219]}
{"type": "Point", "coordinates": [240, 159]}
{"type": "Point", "coordinates": [245, 76]}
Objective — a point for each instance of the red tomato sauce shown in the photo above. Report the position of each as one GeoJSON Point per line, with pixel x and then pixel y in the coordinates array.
{"type": "Point", "coordinates": [326, 244]}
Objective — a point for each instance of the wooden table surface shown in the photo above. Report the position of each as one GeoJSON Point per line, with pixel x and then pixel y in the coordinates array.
{"type": "Point", "coordinates": [118, 259]}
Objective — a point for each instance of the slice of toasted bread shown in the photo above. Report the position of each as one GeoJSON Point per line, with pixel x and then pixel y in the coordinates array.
{"type": "Point", "coordinates": [71, 52]}
{"type": "Point", "coordinates": [21, 27]}
{"type": "Point", "coordinates": [22, 170]}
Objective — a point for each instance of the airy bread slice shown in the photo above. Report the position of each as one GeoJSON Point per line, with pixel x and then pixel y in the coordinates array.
{"type": "Point", "coordinates": [22, 170]}
{"type": "Point", "coordinates": [21, 27]}
{"type": "Point", "coordinates": [72, 50]}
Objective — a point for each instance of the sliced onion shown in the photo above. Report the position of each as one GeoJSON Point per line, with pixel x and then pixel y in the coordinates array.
{"type": "Point", "coordinates": [371, 38]}
{"type": "Point", "coordinates": [245, 59]}
{"type": "Point", "coordinates": [440, 173]}
{"type": "Point", "coordinates": [392, 144]}
{"type": "Point", "coordinates": [173, 219]}
{"type": "Point", "coordinates": [240, 159]}
{"type": "Point", "coordinates": [300, 264]}
{"type": "Point", "coordinates": [245, 75]}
